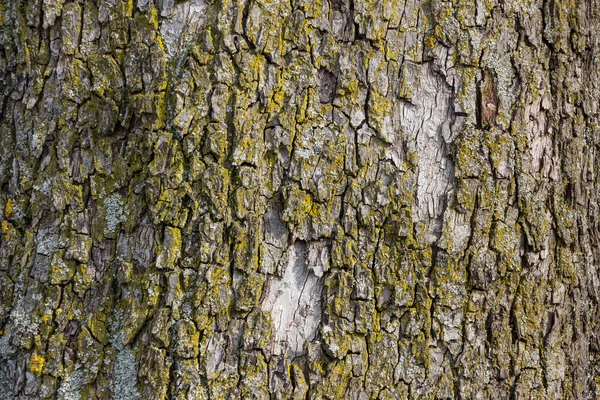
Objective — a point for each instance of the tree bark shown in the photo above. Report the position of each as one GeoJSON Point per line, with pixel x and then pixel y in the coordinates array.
{"type": "Point", "coordinates": [392, 199]}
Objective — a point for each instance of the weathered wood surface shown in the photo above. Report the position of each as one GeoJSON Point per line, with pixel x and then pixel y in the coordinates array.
{"type": "Point", "coordinates": [299, 199]}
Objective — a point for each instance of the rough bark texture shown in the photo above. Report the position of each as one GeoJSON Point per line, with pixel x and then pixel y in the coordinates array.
{"type": "Point", "coordinates": [299, 199]}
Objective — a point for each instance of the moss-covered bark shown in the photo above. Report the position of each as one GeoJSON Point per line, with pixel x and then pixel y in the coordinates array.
{"type": "Point", "coordinates": [299, 199]}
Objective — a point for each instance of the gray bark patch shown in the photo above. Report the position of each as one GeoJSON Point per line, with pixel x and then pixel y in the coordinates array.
{"type": "Point", "coordinates": [294, 302]}
{"type": "Point", "coordinates": [179, 22]}
{"type": "Point", "coordinates": [427, 120]}
{"type": "Point", "coordinates": [327, 84]}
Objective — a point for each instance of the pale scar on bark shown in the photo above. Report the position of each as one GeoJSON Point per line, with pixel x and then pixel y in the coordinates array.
{"type": "Point", "coordinates": [487, 101]}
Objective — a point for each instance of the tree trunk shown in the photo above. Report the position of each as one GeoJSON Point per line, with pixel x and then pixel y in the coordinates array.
{"type": "Point", "coordinates": [358, 199]}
